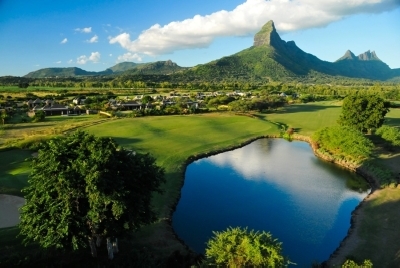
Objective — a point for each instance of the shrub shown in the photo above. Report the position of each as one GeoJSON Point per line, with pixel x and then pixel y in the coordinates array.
{"type": "Point", "coordinates": [390, 134]}
{"type": "Point", "coordinates": [344, 142]}
{"type": "Point", "coordinates": [238, 247]}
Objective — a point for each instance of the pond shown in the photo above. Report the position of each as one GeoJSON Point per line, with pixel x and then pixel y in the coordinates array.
{"type": "Point", "coordinates": [271, 185]}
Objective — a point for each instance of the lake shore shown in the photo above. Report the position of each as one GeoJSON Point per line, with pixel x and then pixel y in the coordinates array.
{"type": "Point", "coordinates": [350, 242]}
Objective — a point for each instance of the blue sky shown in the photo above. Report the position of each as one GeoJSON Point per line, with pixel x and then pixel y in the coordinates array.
{"type": "Point", "coordinates": [97, 34]}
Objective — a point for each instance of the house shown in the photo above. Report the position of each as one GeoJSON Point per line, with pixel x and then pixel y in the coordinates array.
{"type": "Point", "coordinates": [53, 109]}
{"type": "Point", "coordinates": [130, 105]}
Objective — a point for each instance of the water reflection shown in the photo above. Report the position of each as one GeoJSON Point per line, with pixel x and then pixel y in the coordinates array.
{"type": "Point", "coordinates": [271, 185]}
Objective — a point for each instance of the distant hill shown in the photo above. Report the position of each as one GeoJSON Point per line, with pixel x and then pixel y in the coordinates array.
{"type": "Point", "coordinates": [62, 72]}
{"type": "Point", "coordinates": [123, 66]}
{"type": "Point", "coordinates": [270, 57]}
{"type": "Point", "coordinates": [159, 67]}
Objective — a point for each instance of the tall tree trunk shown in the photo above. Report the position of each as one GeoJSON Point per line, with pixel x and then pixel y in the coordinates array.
{"type": "Point", "coordinates": [98, 240]}
{"type": "Point", "coordinates": [110, 249]}
{"type": "Point", "coordinates": [92, 245]}
{"type": "Point", "coordinates": [115, 246]}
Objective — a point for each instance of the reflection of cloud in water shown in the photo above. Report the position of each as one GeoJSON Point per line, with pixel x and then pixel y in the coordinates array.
{"type": "Point", "coordinates": [287, 166]}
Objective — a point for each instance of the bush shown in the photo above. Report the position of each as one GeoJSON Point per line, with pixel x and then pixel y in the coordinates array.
{"type": "Point", "coordinates": [390, 134]}
{"type": "Point", "coordinates": [344, 142]}
{"type": "Point", "coordinates": [238, 247]}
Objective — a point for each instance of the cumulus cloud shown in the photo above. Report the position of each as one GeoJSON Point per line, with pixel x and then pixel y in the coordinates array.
{"type": "Point", "coordinates": [70, 61]}
{"type": "Point", "coordinates": [65, 40]}
{"type": "Point", "coordinates": [129, 57]}
{"type": "Point", "coordinates": [84, 30]}
{"type": "Point", "coordinates": [94, 39]}
{"type": "Point", "coordinates": [244, 20]}
{"type": "Point", "coordinates": [94, 57]}
{"type": "Point", "coordinates": [58, 62]}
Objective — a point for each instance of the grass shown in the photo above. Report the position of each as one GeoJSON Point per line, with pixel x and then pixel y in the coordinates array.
{"type": "Point", "coordinates": [14, 171]}
{"type": "Point", "coordinates": [379, 230]}
{"type": "Point", "coordinates": [307, 118]}
{"type": "Point", "coordinates": [52, 125]}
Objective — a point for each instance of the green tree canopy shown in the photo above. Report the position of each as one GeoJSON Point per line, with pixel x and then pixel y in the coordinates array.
{"type": "Point", "coordinates": [363, 112]}
{"type": "Point", "coordinates": [237, 247]}
{"type": "Point", "coordinates": [84, 187]}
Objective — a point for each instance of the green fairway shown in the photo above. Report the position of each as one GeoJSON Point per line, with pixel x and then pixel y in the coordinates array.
{"type": "Point", "coordinates": [309, 117]}
{"type": "Point", "coordinates": [14, 171]}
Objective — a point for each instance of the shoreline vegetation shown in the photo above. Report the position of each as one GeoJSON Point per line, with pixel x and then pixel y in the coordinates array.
{"type": "Point", "coordinates": [161, 235]}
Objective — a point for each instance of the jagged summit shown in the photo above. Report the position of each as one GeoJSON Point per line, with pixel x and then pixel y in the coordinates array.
{"type": "Point", "coordinates": [368, 56]}
{"type": "Point", "coordinates": [267, 36]}
{"type": "Point", "coordinates": [348, 56]}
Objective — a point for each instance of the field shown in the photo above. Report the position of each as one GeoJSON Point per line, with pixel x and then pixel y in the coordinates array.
{"type": "Point", "coordinates": [172, 139]}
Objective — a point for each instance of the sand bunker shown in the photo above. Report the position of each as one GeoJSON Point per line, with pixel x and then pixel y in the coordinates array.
{"type": "Point", "coordinates": [9, 213]}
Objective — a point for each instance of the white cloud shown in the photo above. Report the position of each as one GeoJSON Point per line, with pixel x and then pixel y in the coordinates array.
{"type": "Point", "coordinates": [129, 57]}
{"type": "Point", "coordinates": [94, 57]}
{"type": "Point", "coordinates": [58, 62]}
{"type": "Point", "coordinates": [246, 19]}
{"type": "Point", "coordinates": [94, 39]}
{"type": "Point", "coordinates": [65, 40]}
{"type": "Point", "coordinates": [70, 61]}
{"type": "Point", "coordinates": [110, 55]}
{"type": "Point", "coordinates": [84, 30]}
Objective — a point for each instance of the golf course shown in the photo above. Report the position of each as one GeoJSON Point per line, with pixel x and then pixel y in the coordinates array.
{"type": "Point", "coordinates": [177, 140]}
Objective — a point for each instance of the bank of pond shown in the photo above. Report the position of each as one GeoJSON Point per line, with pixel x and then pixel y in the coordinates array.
{"type": "Point", "coordinates": [271, 185]}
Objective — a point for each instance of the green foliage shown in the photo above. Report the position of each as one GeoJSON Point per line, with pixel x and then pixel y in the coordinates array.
{"type": "Point", "coordinates": [39, 116]}
{"type": "Point", "coordinates": [390, 134]}
{"type": "Point", "coordinates": [82, 186]}
{"type": "Point", "coordinates": [383, 174]}
{"type": "Point", "coordinates": [4, 116]}
{"type": "Point", "coordinates": [353, 264]}
{"type": "Point", "coordinates": [237, 247]}
{"type": "Point", "coordinates": [344, 142]}
{"type": "Point", "coordinates": [363, 112]}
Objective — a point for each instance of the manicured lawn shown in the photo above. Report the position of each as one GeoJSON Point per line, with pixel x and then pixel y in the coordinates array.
{"type": "Point", "coordinates": [309, 117]}
{"type": "Point", "coordinates": [14, 171]}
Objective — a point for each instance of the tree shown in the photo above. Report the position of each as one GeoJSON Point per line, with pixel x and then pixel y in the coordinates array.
{"type": "Point", "coordinates": [4, 116]}
{"type": "Point", "coordinates": [237, 247]}
{"type": "Point", "coordinates": [39, 116]}
{"type": "Point", "coordinates": [84, 188]}
{"type": "Point", "coordinates": [363, 112]}
{"type": "Point", "coordinates": [353, 264]}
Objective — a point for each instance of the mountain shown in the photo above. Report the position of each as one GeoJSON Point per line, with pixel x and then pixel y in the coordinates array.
{"type": "Point", "coordinates": [62, 72]}
{"type": "Point", "coordinates": [270, 57]}
{"type": "Point", "coordinates": [123, 66]}
{"type": "Point", "coordinates": [159, 67]}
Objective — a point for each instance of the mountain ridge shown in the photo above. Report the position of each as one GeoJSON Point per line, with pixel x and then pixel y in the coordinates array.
{"type": "Point", "coordinates": [270, 57]}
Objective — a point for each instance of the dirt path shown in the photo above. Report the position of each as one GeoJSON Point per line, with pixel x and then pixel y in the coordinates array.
{"type": "Point", "coordinates": [9, 213]}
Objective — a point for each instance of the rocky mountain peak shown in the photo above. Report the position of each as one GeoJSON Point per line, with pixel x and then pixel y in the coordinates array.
{"type": "Point", "coordinates": [368, 55]}
{"type": "Point", "coordinates": [348, 56]}
{"type": "Point", "coordinates": [267, 36]}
